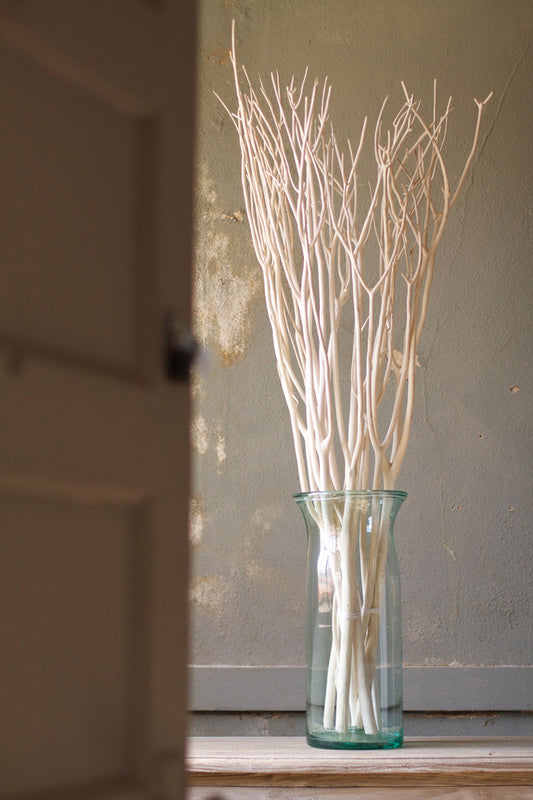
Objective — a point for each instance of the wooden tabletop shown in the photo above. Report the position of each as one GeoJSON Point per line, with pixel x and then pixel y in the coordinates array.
{"type": "Point", "coordinates": [290, 762]}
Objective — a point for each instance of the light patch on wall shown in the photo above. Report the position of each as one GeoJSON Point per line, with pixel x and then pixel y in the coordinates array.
{"type": "Point", "coordinates": [196, 521]}
{"type": "Point", "coordinates": [261, 519]}
{"type": "Point", "coordinates": [222, 297]}
{"type": "Point", "coordinates": [221, 452]}
{"type": "Point", "coordinates": [208, 592]}
{"type": "Point", "coordinates": [258, 573]}
{"type": "Point", "coordinates": [197, 385]}
{"type": "Point", "coordinates": [199, 435]}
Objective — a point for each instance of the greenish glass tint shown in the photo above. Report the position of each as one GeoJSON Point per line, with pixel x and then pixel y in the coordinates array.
{"type": "Point", "coordinates": [353, 620]}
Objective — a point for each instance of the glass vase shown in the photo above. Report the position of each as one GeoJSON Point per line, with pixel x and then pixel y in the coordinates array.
{"type": "Point", "coordinates": [353, 620]}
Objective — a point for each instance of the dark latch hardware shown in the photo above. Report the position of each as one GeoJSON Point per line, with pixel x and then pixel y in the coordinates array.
{"type": "Point", "coordinates": [181, 349]}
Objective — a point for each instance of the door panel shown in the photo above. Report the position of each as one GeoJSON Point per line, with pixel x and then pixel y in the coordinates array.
{"type": "Point", "coordinates": [68, 631]}
{"type": "Point", "coordinates": [74, 188]}
{"type": "Point", "coordinates": [95, 209]}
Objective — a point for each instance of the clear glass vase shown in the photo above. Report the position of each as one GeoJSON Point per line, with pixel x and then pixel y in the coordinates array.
{"type": "Point", "coordinates": [353, 627]}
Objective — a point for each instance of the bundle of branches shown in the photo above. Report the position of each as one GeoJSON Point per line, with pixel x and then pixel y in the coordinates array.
{"type": "Point", "coordinates": [340, 257]}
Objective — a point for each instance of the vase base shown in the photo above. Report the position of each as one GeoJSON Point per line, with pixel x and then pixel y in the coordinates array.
{"type": "Point", "coordinates": [356, 739]}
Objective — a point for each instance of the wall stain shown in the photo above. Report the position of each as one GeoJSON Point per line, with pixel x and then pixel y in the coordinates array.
{"type": "Point", "coordinates": [209, 592]}
{"type": "Point", "coordinates": [197, 384]}
{"type": "Point", "coordinates": [263, 517]}
{"type": "Point", "coordinates": [237, 216]}
{"type": "Point", "coordinates": [222, 295]}
{"type": "Point", "coordinates": [397, 362]}
{"type": "Point", "coordinates": [258, 573]}
{"type": "Point", "coordinates": [197, 517]}
{"type": "Point", "coordinates": [221, 452]}
{"type": "Point", "coordinates": [199, 435]}
{"type": "Point", "coordinates": [220, 56]}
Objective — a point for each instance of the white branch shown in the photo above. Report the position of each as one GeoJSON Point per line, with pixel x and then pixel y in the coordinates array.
{"type": "Point", "coordinates": [315, 238]}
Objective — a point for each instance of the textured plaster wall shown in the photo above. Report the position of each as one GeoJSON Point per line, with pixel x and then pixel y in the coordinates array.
{"type": "Point", "coordinates": [465, 536]}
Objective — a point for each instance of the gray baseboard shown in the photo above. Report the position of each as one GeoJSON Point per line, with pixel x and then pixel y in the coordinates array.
{"type": "Point", "coordinates": [426, 689]}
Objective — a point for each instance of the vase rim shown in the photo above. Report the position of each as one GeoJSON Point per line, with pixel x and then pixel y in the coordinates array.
{"type": "Point", "coordinates": [333, 494]}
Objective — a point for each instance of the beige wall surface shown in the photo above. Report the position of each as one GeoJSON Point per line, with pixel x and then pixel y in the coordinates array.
{"type": "Point", "coordinates": [464, 537]}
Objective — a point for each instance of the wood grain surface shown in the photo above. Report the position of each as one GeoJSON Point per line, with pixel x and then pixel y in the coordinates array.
{"type": "Point", "coordinates": [290, 762]}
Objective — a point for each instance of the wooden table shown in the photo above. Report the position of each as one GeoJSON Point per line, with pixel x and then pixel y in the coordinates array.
{"type": "Point", "coordinates": [286, 768]}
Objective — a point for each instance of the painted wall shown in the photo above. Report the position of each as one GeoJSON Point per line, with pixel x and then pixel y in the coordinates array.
{"type": "Point", "coordinates": [465, 536]}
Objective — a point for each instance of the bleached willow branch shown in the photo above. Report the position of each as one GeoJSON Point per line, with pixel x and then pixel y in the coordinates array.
{"type": "Point", "coordinates": [314, 239]}
{"type": "Point", "coordinates": [333, 262]}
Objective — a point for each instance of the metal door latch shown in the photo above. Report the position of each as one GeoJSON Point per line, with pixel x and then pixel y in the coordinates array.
{"type": "Point", "coordinates": [181, 349]}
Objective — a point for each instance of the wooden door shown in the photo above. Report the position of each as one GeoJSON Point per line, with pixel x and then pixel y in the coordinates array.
{"type": "Point", "coordinates": [96, 106]}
